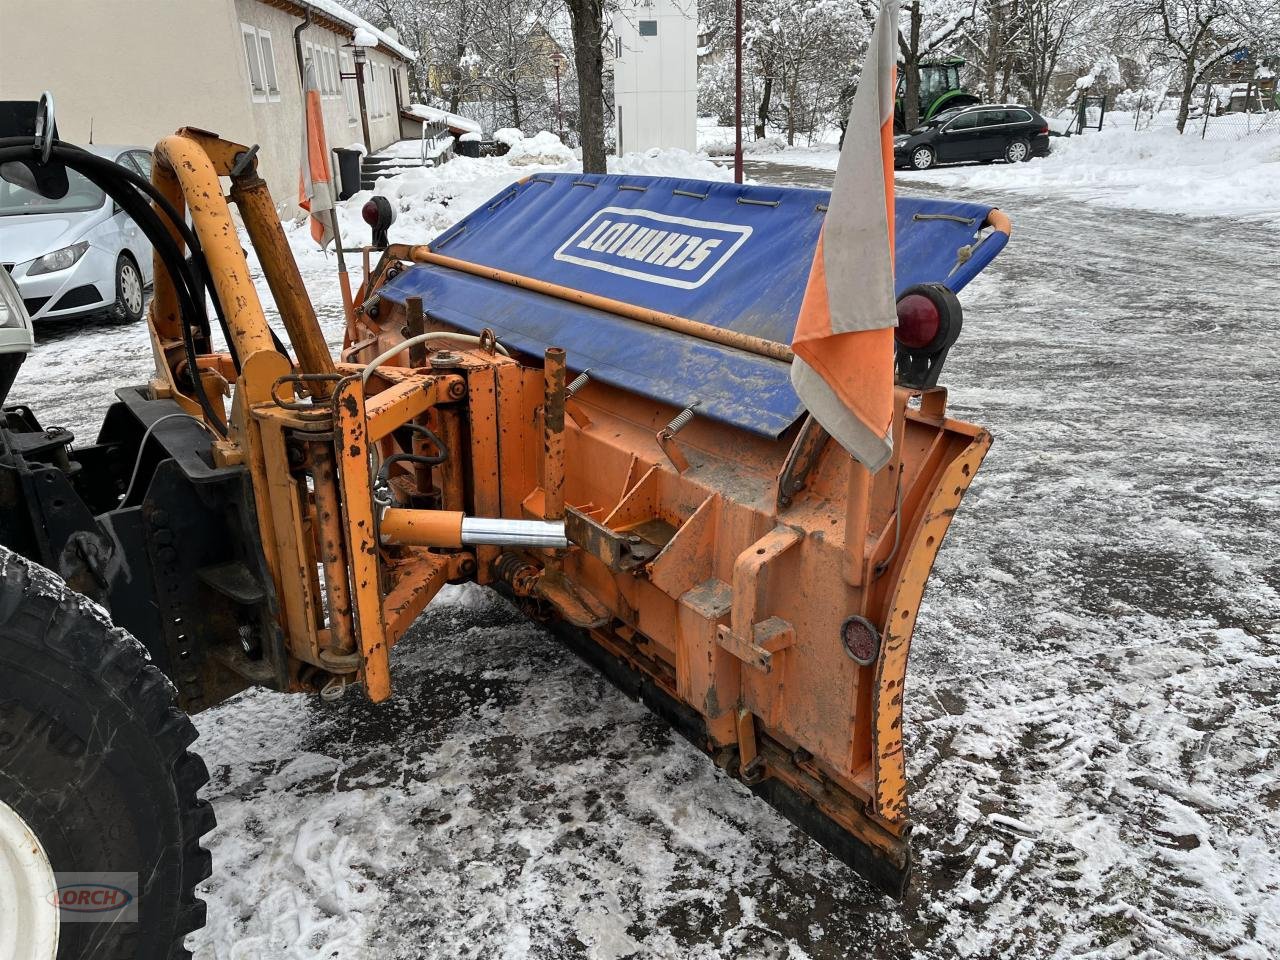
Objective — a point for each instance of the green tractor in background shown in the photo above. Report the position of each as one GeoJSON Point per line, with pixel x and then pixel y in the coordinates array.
{"type": "Point", "coordinates": [940, 90]}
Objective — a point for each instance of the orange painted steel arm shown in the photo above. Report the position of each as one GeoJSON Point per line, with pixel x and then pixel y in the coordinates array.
{"type": "Point", "coordinates": [211, 218]}
{"type": "Point", "coordinates": [351, 434]}
{"type": "Point", "coordinates": [262, 221]}
{"type": "Point", "coordinates": [655, 318]}
{"type": "Point", "coordinates": [165, 316]}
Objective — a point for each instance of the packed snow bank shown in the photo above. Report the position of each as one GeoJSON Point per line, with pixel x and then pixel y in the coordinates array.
{"type": "Point", "coordinates": [1236, 177]}
{"type": "Point", "coordinates": [1155, 170]}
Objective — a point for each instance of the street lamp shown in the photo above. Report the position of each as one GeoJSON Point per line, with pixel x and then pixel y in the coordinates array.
{"type": "Point", "coordinates": [558, 61]}
{"type": "Point", "coordinates": [360, 53]}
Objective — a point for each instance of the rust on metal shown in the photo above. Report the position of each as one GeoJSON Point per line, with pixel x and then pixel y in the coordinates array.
{"type": "Point", "coordinates": [553, 369]}
{"type": "Point", "coordinates": [351, 434]}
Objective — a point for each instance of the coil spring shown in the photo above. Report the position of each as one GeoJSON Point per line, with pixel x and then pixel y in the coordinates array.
{"type": "Point", "coordinates": [681, 419]}
{"type": "Point", "coordinates": [578, 382]}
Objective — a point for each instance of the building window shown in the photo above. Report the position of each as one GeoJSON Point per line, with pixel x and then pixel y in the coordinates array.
{"type": "Point", "coordinates": [260, 57]}
{"type": "Point", "coordinates": [268, 65]}
{"type": "Point", "coordinates": [648, 28]}
{"type": "Point", "coordinates": [375, 90]}
{"type": "Point", "coordinates": [335, 85]}
{"type": "Point", "coordinates": [349, 89]}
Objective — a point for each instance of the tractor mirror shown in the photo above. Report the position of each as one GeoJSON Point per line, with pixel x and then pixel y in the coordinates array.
{"type": "Point", "coordinates": [41, 174]}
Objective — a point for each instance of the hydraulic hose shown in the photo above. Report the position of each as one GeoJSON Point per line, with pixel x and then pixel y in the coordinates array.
{"type": "Point", "coordinates": [131, 191]}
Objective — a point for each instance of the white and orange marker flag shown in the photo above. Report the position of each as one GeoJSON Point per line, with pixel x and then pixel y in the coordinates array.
{"type": "Point", "coordinates": [315, 187]}
{"type": "Point", "coordinates": [843, 344]}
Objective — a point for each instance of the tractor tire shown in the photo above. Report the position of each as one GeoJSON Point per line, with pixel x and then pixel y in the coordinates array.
{"type": "Point", "coordinates": [94, 767]}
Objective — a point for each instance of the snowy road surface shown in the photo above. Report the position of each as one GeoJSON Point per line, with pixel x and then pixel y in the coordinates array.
{"type": "Point", "coordinates": [1093, 732]}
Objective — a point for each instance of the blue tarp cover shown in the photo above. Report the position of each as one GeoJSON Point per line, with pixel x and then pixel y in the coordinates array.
{"type": "Point", "coordinates": [730, 255]}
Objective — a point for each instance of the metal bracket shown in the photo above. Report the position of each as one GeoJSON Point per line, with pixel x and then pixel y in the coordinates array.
{"type": "Point", "coordinates": [244, 161]}
{"type": "Point", "coordinates": [618, 551]}
{"type": "Point", "coordinates": [769, 637]}
{"type": "Point", "coordinates": [801, 460]}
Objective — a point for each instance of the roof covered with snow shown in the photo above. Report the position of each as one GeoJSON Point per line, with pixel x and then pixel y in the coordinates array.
{"type": "Point", "coordinates": [336, 11]}
{"type": "Point", "coordinates": [456, 123]}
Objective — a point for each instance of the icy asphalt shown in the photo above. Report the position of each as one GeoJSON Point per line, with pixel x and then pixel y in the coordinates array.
{"type": "Point", "coordinates": [1093, 733]}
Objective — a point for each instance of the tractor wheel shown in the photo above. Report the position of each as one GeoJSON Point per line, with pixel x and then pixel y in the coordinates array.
{"type": "Point", "coordinates": [922, 158]}
{"type": "Point", "coordinates": [97, 787]}
{"type": "Point", "coordinates": [1017, 151]}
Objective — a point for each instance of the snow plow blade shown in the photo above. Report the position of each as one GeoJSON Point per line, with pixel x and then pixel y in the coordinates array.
{"type": "Point", "coordinates": [728, 563]}
{"type": "Point", "coordinates": [581, 395]}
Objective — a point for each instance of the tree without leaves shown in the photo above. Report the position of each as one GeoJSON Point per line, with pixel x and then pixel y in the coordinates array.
{"type": "Point", "coordinates": [587, 18]}
{"type": "Point", "coordinates": [1194, 36]}
{"type": "Point", "coordinates": [931, 26]}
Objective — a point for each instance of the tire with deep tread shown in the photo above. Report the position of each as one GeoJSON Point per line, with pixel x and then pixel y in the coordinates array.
{"type": "Point", "coordinates": [93, 756]}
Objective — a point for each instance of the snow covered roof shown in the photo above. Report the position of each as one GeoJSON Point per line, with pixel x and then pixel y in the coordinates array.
{"type": "Point", "coordinates": [336, 11]}
{"type": "Point", "coordinates": [456, 123]}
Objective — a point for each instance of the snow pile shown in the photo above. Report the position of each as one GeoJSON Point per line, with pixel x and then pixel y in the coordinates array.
{"type": "Point", "coordinates": [1155, 170]}
{"type": "Point", "coordinates": [720, 143]}
{"type": "Point", "coordinates": [542, 149]}
{"type": "Point", "coordinates": [670, 163]}
{"type": "Point", "coordinates": [508, 135]}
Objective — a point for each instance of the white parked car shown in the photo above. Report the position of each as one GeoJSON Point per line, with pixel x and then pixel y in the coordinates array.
{"type": "Point", "coordinates": [80, 255]}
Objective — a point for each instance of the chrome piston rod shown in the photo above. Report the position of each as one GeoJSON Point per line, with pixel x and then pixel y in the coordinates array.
{"type": "Point", "coordinates": [482, 531]}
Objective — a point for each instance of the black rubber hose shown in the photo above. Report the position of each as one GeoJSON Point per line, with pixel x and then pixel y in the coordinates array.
{"type": "Point", "coordinates": [128, 189]}
{"type": "Point", "coordinates": [204, 280]}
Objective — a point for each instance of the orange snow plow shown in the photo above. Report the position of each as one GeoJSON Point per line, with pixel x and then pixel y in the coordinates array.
{"type": "Point", "coordinates": [582, 394]}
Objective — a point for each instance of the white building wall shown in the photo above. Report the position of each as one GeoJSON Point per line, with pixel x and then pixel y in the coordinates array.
{"type": "Point", "coordinates": [655, 74]}
{"type": "Point", "coordinates": [137, 70]}
{"type": "Point", "coordinates": [277, 120]}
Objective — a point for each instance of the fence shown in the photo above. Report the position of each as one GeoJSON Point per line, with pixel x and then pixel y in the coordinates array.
{"type": "Point", "coordinates": [1226, 110]}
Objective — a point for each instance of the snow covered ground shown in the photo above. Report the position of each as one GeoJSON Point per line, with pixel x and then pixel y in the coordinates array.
{"type": "Point", "coordinates": [1230, 174]}
{"type": "Point", "coordinates": [1093, 714]}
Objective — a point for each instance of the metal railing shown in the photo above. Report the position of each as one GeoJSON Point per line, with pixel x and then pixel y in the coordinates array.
{"type": "Point", "coordinates": [431, 134]}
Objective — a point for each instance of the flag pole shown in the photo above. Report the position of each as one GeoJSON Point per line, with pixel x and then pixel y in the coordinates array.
{"type": "Point", "coordinates": [344, 279]}
{"type": "Point", "coordinates": [737, 91]}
